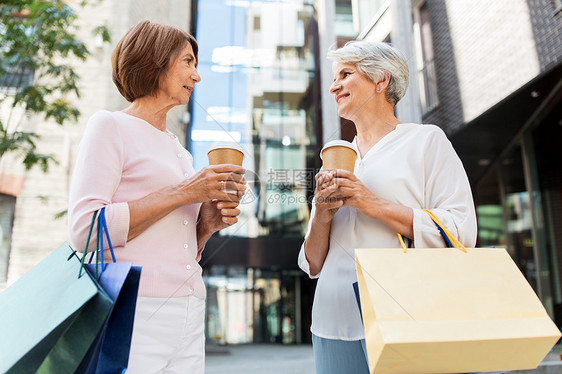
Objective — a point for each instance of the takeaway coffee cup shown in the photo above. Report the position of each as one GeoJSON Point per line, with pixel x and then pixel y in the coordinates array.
{"type": "Point", "coordinates": [226, 153]}
{"type": "Point", "coordinates": [338, 154]}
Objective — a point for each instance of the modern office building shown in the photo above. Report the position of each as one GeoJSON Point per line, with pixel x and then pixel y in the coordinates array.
{"type": "Point", "coordinates": [488, 73]}
{"type": "Point", "coordinates": [260, 88]}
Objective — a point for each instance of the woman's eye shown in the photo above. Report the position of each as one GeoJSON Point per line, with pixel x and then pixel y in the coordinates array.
{"type": "Point", "coordinates": [346, 74]}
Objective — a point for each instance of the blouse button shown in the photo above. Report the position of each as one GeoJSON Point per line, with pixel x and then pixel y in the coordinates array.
{"type": "Point", "coordinates": [185, 222]}
{"type": "Point", "coordinates": [188, 267]}
{"type": "Point", "coordinates": [186, 175]}
{"type": "Point", "coordinates": [185, 245]}
{"type": "Point", "coordinates": [179, 155]}
{"type": "Point", "coordinates": [191, 290]}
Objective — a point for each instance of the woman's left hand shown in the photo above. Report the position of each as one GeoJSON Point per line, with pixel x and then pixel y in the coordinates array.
{"type": "Point", "coordinates": [346, 186]}
{"type": "Point", "coordinates": [216, 215]}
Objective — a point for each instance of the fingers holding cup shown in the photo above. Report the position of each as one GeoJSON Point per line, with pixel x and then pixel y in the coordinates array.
{"type": "Point", "coordinates": [229, 153]}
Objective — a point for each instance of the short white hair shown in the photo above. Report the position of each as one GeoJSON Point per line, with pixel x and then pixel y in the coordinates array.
{"type": "Point", "coordinates": [376, 60]}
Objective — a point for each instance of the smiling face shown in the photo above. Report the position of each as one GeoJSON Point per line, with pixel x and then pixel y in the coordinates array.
{"type": "Point", "coordinates": [351, 89]}
{"type": "Point", "coordinates": [180, 78]}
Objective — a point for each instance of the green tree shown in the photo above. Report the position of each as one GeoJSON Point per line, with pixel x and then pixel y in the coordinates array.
{"type": "Point", "coordinates": [37, 37]}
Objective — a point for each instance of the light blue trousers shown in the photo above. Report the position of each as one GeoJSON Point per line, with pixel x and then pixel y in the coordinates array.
{"type": "Point", "coordinates": [339, 356]}
{"type": "Point", "coordinates": [344, 357]}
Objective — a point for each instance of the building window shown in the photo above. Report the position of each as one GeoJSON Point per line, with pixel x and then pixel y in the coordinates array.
{"type": "Point", "coordinates": [425, 58]}
{"type": "Point", "coordinates": [257, 23]}
{"type": "Point", "coordinates": [365, 11]}
{"type": "Point", "coordinates": [7, 207]}
{"type": "Point", "coordinates": [14, 74]}
{"type": "Point", "coordinates": [343, 22]}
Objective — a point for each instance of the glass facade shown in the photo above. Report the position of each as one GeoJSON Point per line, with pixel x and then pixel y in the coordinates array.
{"type": "Point", "coordinates": [252, 305]}
{"type": "Point", "coordinates": [260, 88]}
{"type": "Point", "coordinates": [519, 205]}
{"type": "Point", "coordinates": [257, 63]}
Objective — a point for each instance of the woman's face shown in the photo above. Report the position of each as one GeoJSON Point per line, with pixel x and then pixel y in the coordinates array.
{"type": "Point", "coordinates": [351, 89]}
{"type": "Point", "coordinates": [178, 82]}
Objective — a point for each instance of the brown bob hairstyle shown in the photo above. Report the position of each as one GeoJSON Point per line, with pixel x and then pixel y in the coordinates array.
{"type": "Point", "coordinates": [143, 55]}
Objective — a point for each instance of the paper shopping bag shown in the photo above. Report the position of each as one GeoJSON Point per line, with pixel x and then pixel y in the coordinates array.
{"type": "Point", "coordinates": [441, 310]}
{"type": "Point", "coordinates": [110, 351]}
{"type": "Point", "coordinates": [120, 280]}
{"type": "Point", "coordinates": [49, 304]}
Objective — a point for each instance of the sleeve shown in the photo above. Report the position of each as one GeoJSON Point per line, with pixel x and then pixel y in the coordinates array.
{"type": "Point", "coordinates": [447, 194]}
{"type": "Point", "coordinates": [302, 261]}
{"type": "Point", "coordinates": [97, 174]}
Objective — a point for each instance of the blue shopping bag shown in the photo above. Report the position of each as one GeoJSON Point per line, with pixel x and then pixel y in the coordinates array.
{"type": "Point", "coordinates": [120, 280]}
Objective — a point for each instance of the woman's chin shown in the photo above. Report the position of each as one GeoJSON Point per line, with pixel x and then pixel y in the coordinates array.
{"type": "Point", "coordinates": [343, 114]}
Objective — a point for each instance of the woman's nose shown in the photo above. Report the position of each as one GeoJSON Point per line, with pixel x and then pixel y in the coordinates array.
{"type": "Point", "coordinates": [195, 76]}
{"type": "Point", "coordinates": [335, 87]}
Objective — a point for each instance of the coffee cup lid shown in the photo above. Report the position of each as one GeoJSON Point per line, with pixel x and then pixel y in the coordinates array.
{"type": "Point", "coordinates": [338, 143]}
{"type": "Point", "coordinates": [224, 144]}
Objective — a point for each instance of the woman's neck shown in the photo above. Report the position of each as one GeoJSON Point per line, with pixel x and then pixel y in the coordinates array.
{"type": "Point", "coordinates": [150, 109]}
{"type": "Point", "coordinates": [373, 125]}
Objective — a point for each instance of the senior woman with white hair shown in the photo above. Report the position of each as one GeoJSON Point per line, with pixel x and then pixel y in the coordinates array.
{"type": "Point", "coordinates": [401, 169]}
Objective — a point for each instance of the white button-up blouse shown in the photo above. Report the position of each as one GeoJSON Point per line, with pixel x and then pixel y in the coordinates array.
{"type": "Point", "coordinates": [415, 166]}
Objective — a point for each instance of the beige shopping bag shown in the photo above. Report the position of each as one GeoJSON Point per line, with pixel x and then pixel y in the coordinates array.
{"type": "Point", "coordinates": [441, 310]}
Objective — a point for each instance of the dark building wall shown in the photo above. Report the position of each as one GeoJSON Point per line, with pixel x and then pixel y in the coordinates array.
{"type": "Point", "coordinates": [507, 63]}
{"type": "Point", "coordinates": [547, 31]}
{"type": "Point", "coordinates": [448, 114]}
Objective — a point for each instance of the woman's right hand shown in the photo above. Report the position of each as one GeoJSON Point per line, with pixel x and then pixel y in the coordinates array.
{"type": "Point", "coordinates": [326, 204]}
{"type": "Point", "coordinates": [217, 182]}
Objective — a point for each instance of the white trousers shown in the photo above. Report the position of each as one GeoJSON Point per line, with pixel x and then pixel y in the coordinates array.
{"type": "Point", "coordinates": [168, 336]}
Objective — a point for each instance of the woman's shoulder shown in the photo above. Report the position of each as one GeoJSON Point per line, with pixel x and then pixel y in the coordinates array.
{"type": "Point", "coordinates": [423, 131]}
{"type": "Point", "coordinates": [102, 124]}
{"type": "Point", "coordinates": [101, 117]}
{"type": "Point", "coordinates": [105, 119]}
{"type": "Point", "coordinates": [422, 128]}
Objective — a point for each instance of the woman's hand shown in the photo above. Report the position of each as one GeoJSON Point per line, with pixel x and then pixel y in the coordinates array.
{"type": "Point", "coordinates": [214, 216]}
{"type": "Point", "coordinates": [217, 215]}
{"type": "Point", "coordinates": [326, 204]}
{"type": "Point", "coordinates": [347, 187]}
{"type": "Point", "coordinates": [318, 240]}
{"type": "Point", "coordinates": [218, 182]}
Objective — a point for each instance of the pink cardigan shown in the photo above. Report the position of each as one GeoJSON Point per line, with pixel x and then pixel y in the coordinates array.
{"type": "Point", "coordinates": [123, 158]}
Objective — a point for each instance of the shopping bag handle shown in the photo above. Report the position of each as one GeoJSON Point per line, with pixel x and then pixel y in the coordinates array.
{"type": "Point", "coordinates": [451, 241]}
{"type": "Point", "coordinates": [101, 228]}
{"type": "Point", "coordinates": [82, 263]}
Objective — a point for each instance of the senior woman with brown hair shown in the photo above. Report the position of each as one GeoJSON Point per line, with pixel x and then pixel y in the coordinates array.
{"type": "Point", "coordinates": [401, 169]}
{"type": "Point", "coordinates": [160, 212]}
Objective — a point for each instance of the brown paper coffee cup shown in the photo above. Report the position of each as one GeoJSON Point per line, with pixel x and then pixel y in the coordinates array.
{"type": "Point", "coordinates": [338, 154]}
{"type": "Point", "coordinates": [225, 153]}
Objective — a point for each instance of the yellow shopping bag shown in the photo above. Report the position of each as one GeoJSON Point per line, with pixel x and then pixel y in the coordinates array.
{"type": "Point", "coordinates": [443, 310]}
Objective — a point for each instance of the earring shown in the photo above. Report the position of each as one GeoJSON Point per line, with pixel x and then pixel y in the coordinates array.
{"type": "Point", "coordinates": [378, 89]}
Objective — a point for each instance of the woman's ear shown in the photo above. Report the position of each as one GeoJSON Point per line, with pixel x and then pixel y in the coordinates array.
{"type": "Point", "coordinates": [383, 84]}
